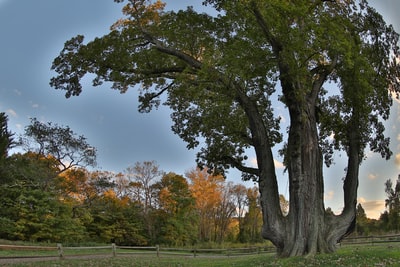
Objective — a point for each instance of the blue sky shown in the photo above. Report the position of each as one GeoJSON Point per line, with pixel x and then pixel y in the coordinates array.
{"type": "Point", "coordinates": [33, 33]}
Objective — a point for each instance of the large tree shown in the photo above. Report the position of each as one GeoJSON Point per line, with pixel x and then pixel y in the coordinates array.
{"type": "Point", "coordinates": [332, 64]}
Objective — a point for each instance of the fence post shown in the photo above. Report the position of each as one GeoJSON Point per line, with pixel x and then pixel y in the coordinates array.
{"type": "Point", "coordinates": [158, 251]}
{"type": "Point", "coordinates": [114, 250]}
{"type": "Point", "coordinates": [60, 251]}
{"type": "Point", "coordinates": [194, 252]}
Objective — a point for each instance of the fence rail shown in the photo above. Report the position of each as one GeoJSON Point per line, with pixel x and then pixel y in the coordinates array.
{"type": "Point", "coordinates": [61, 252]}
{"type": "Point", "coordinates": [371, 240]}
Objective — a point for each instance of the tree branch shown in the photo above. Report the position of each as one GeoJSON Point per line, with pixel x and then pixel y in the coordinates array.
{"type": "Point", "coordinates": [276, 45]}
{"type": "Point", "coordinates": [194, 63]}
{"type": "Point", "coordinates": [238, 165]}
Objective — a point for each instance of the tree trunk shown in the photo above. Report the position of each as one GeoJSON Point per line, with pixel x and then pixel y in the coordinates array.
{"type": "Point", "coordinates": [306, 219]}
{"type": "Point", "coordinates": [308, 229]}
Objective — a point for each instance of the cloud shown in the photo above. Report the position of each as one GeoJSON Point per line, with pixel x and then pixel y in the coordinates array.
{"type": "Point", "coordinates": [373, 208]}
{"type": "Point", "coordinates": [277, 163]}
{"type": "Point", "coordinates": [394, 97]}
{"type": "Point", "coordinates": [35, 105]}
{"type": "Point", "coordinates": [397, 159]}
{"type": "Point", "coordinates": [12, 112]}
{"type": "Point", "coordinates": [372, 176]}
{"type": "Point", "coordinates": [329, 195]}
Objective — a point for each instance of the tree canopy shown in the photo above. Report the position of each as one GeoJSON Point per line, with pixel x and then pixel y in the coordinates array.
{"type": "Point", "coordinates": [60, 142]}
{"type": "Point", "coordinates": [332, 64]}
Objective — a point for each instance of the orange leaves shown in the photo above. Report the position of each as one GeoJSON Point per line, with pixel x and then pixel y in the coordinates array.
{"type": "Point", "coordinates": [205, 188]}
{"type": "Point", "coordinates": [140, 13]}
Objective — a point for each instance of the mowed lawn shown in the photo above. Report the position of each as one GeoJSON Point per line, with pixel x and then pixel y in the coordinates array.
{"type": "Point", "coordinates": [377, 255]}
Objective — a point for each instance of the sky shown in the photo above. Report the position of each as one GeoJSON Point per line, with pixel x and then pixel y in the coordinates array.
{"type": "Point", "coordinates": [32, 34]}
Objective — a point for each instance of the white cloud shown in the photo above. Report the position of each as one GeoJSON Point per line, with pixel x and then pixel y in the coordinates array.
{"type": "Point", "coordinates": [329, 195]}
{"type": "Point", "coordinates": [12, 112]}
{"type": "Point", "coordinates": [397, 160]}
{"type": "Point", "coordinates": [373, 208]}
{"type": "Point", "coordinates": [372, 176]}
{"type": "Point", "coordinates": [277, 163]}
{"type": "Point", "coordinates": [35, 105]}
{"type": "Point", "coordinates": [253, 162]}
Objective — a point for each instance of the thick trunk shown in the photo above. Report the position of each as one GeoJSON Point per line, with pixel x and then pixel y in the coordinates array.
{"type": "Point", "coordinates": [308, 229]}
{"type": "Point", "coordinates": [305, 224]}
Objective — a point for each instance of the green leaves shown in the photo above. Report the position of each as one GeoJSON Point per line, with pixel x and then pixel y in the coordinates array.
{"type": "Point", "coordinates": [252, 49]}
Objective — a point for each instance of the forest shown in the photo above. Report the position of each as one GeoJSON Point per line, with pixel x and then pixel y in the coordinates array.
{"type": "Point", "coordinates": [50, 193]}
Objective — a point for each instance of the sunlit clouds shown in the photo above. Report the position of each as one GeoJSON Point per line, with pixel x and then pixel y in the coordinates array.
{"type": "Point", "coordinates": [329, 195]}
{"type": "Point", "coordinates": [277, 163]}
{"type": "Point", "coordinates": [372, 176]}
{"type": "Point", "coordinates": [373, 208]}
{"type": "Point", "coordinates": [397, 160]}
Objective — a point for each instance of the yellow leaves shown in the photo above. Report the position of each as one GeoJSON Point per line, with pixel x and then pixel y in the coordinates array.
{"type": "Point", "coordinates": [110, 194]}
{"type": "Point", "coordinates": [206, 189]}
{"type": "Point", "coordinates": [166, 199]}
{"type": "Point", "coordinates": [140, 13]}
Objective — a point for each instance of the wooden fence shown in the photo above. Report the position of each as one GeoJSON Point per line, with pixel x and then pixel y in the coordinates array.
{"type": "Point", "coordinates": [61, 252]}
{"type": "Point", "coordinates": [370, 240]}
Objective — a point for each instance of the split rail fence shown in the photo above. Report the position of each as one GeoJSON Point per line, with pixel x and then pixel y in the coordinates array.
{"type": "Point", "coordinates": [61, 252]}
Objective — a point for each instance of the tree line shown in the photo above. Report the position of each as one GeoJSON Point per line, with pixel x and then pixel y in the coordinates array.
{"type": "Point", "coordinates": [49, 194]}
{"type": "Point", "coordinates": [389, 220]}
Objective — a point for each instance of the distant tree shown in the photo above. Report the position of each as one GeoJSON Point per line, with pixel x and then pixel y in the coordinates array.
{"type": "Point", "coordinates": [30, 206]}
{"type": "Point", "coordinates": [60, 142]}
{"type": "Point", "coordinates": [225, 210]}
{"type": "Point", "coordinates": [362, 227]}
{"type": "Point", "coordinates": [177, 220]}
{"type": "Point", "coordinates": [143, 176]}
{"type": "Point", "coordinates": [6, 136]}
{"type": "Point", "coordinates": [332, 64]}
{"type": "Point", "coordinates": [206, 189]}
{"type": "Point", "coordinates": [392, 203]}
{"type": "Point", "coordinates": [253, 217]}
{"type": "Point", "coordinates": [284, 204]}
{"type": "Point", "coordinates": [240, 200]}
{"type": "Point", "coordinates": [384, 221]}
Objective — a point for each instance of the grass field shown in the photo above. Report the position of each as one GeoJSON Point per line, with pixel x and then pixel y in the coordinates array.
{"type": "Point", "coordinates": [382, 255]}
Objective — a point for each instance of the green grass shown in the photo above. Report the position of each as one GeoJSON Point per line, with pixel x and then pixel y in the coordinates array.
{"type": "Point", "coordinates": [382, 255]}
